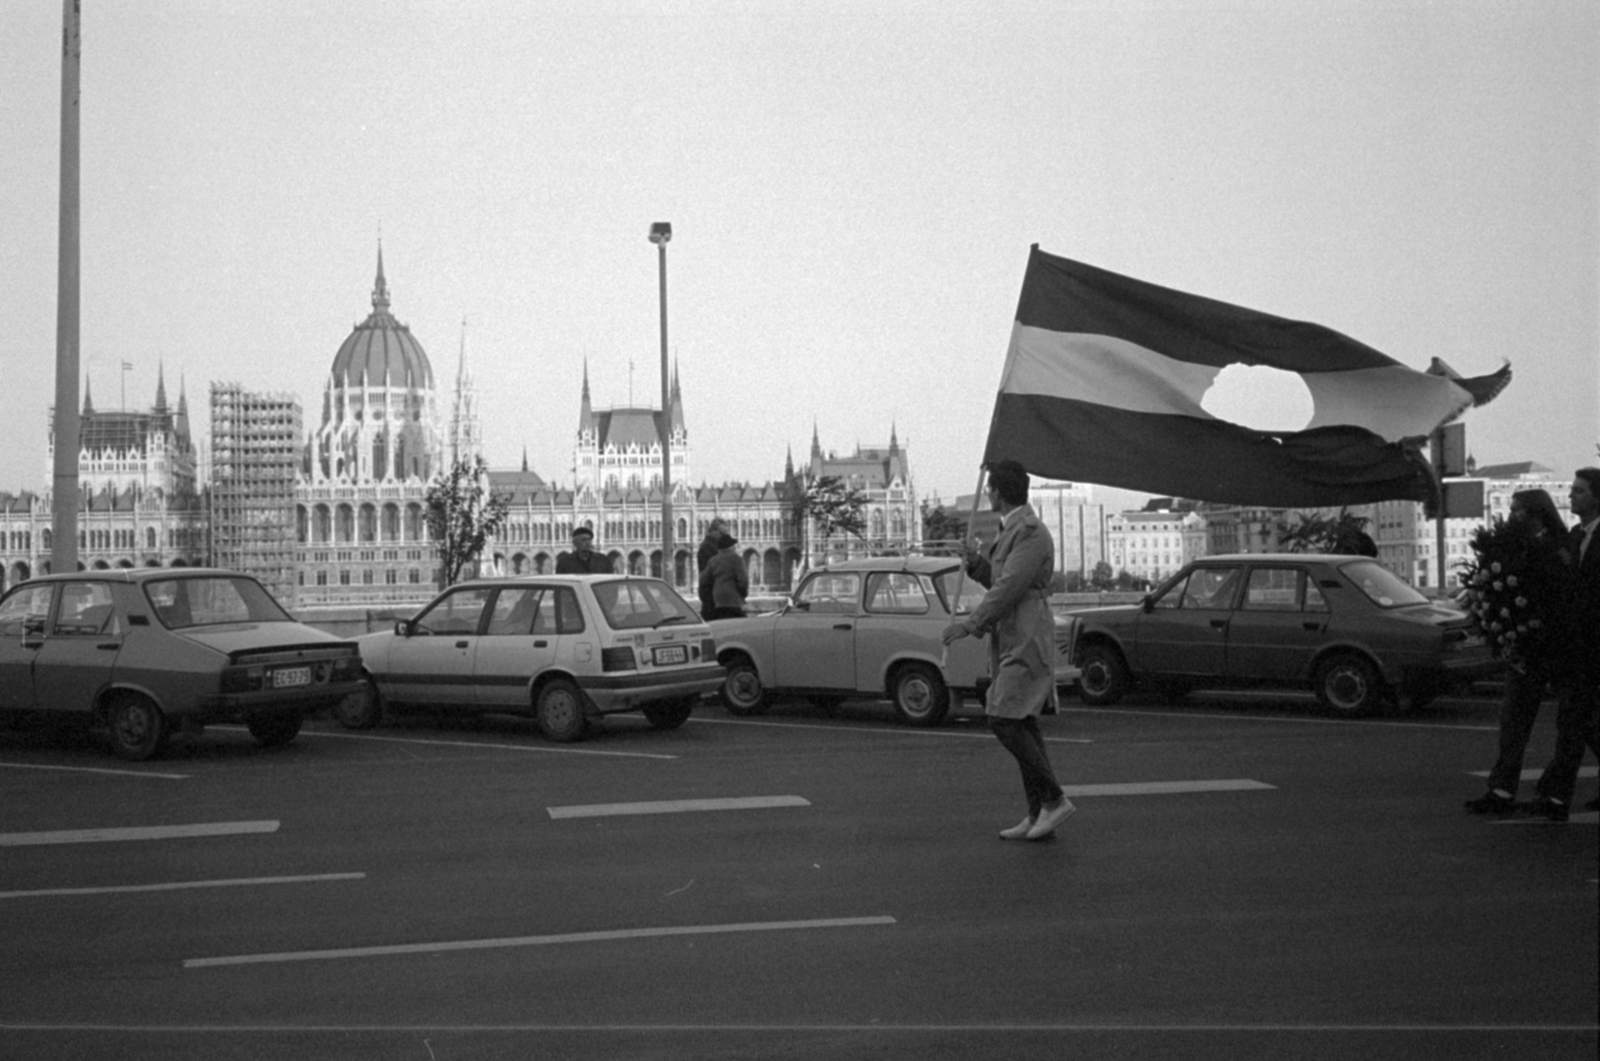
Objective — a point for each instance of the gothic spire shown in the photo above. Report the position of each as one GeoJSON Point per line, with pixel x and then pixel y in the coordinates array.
{"type": "Point", "coordinates": [586, 411]}
{"type": "Point", "coordinates": [88, 402]}
{"type": "Point", "coordinates": [380, 287]}
{"type": "Point", "coordinates": [161, 387]}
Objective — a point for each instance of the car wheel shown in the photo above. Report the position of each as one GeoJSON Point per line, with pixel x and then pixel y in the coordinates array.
{"type": "Point", "coordinates": [138, 728]}
{"type": "Point", "coordinates": [560, 711]}
{"type": "Point", "coordinates": [361, 710]}
{"type": "Point", "coordinates": [1349, 685]}
{"type": "Point", "coordinates": [273, 730]}
{"type": "Point", "coordinates": [920, 695]}
{"type": "Point", "coordinates": [670, 714]}
{"type": "Point", "coordinates": [742, 691]}
{"type": "Point", "coordinates": [1104, 679]}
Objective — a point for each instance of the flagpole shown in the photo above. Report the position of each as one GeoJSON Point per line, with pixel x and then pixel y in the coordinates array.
{"type": "Point", "coordinates": [64, 467]}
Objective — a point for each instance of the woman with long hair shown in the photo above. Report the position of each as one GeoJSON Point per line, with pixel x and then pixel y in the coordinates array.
{"type": "Point", "coordinates": [1528, 567]}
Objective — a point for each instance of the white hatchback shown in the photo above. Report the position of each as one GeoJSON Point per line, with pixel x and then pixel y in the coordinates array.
{"type": "Point", "coordinates": [563, 648]}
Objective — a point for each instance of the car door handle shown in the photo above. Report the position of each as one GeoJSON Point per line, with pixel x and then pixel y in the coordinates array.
{"type": "Point", "coordinates": [841, 626]}
{"type": "Point", "coordinates": [1219, 624]}
{"type": "Point", "coordinates": [1315, 628]}
{"type": "Point", "coordinates": [461, 644]}
{"type": "Point", "coordinates": [541, 644]}
{"type": "Point", "coordinates": [110, 646]}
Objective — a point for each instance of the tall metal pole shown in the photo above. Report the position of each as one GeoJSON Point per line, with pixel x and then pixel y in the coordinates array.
{"type": "Point", "coordinates": [660, 233]}
{"type": "Point", "coordinates": [64, 481]}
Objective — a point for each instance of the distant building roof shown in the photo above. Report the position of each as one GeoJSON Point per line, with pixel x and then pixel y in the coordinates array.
{"type": "Point", "coordinates": [1514, 470]}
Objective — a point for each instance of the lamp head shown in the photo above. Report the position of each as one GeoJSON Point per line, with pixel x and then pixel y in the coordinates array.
{"type": "Point", "coordinates": [661, 232]}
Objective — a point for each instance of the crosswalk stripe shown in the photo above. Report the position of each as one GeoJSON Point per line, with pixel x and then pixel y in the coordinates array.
{"type": "Point", "coordinates": [1533, 775]}
{"type": "Point", "coordinates": [1167, 788]}
{"type": "Point", "coordinates": [242, 882]}
{"type": "Point", "coordinates": [678, 806]}
{"type": "Point", "coordinates": [147, 832]}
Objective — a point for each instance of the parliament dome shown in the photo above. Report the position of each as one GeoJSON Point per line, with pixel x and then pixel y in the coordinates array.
{"type": "Point", "coordinates": [381, 352]}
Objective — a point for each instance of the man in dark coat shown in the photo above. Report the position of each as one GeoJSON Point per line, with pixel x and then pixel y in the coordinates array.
{"type": "Point", "coordinates": [1580, 692]}
{"type": "Point", "coordinates": [724, 581]}
{"type": "Point", "coordinates": [702, 557]}
{"type": "Point", "coordinates": [583, 560]}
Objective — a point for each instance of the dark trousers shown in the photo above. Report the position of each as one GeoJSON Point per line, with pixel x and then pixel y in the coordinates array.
{"type": "Point", "coordinates": [1575, 730]}
{"type": "Point", "coordinates": [1023, 740]}
{"type": "Point", "coordinates": [1518, 712]}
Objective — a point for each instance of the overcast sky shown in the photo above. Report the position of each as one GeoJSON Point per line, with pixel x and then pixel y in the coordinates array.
{"type": "Point", "coordinates": [853, 188]}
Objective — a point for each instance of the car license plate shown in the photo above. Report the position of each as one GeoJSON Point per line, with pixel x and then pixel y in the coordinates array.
{"type": "Point", "coordinates": [288, 676]}
{"type": "Point", "coordinates": [666, 655]}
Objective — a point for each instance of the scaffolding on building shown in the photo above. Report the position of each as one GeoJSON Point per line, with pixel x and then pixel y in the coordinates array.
{"type": "Point", "coordinates": [255, 452]}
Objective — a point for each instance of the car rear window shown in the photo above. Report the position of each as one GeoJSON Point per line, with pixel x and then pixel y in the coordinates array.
{"type": "Point", "coordinates": [212, 601]}
{"type": "Point", "coordinates": [1380, 585]}
{"type": "Point", "coordinates": [633, 604]}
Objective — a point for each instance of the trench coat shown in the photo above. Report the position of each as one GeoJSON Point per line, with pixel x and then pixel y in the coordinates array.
{"type": "Point", "coordinates": [1015, 613]}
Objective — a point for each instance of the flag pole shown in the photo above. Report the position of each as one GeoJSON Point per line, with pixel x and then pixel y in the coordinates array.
{"type": "Point", "coordinates": [64, 498]}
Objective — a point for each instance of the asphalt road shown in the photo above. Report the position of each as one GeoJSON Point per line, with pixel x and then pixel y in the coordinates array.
{"type": "Point", "coordinates": [1243, 879]}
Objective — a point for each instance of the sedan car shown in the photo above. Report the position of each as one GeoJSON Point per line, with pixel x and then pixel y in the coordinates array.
{"type": "Point", "coordinates": [867, 628]}
{"type": "Point", "coordinates": [149, 650]}
{"type": "Point", "coordinates": [1344, 626]}
{"type": "Point", "coordinates": [563, 648]}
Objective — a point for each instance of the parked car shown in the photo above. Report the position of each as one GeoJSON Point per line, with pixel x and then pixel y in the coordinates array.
{"type": "Point", "coordinates": [150, 650]}
{"type": "Point", "coordinates": [563, 648]}
{"type": "Point", "coordinates": [1344, 626]}
{"type": "Point", "coordinates": [867, 628]}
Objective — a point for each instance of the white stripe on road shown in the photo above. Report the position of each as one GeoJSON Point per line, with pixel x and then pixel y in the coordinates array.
{"type": "Point", "coordinates": [1167, 788]}
{"type": "Point", "coordinates": [96, 770]}
{"type": "Point", "coordinates": [678, 806]}
{"type": "Point", "coordinates": [1197, 715]}
{"type": "Point", "coordinates": [496, 747]}
{"type": "Point", "coordinates": [181, 885]}
{"type": "Point", "coordinates": [903, 731]}
{"type": "Point", "coordinates": [1580, 818]}
{"type": "Point", "coordinates": [1534, 775]}
{"type": "Point", "coordinates": [147, 832]}
{"type": "Point", "coordinates": [536, 941]}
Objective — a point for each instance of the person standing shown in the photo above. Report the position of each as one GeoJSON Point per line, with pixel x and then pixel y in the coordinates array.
{"type": "Point", "coordinates": [702, 557]}
{"type": "Point", "coordinates": [583, 560]}
{"type": "Point", "coordinates": [724, 581]}
{"type": "Point", "coordinates": [1543, 560]}
{"type": "Point", "coordinates": [1580, 693]}
{"type": "Point", "coordinates": [1015, 613]}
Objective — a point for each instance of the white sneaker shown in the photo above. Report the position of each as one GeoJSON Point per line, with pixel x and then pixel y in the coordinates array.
{"type": "Point", "coordinates": [1050, 818]}
{"type": "Point", "coordinates": [1018, 831]}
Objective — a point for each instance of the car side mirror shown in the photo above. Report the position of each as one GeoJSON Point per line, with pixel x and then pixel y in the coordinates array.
{"type": "Point", "coordinates": [402, 628]}
{"type": "Point", "coordinates": [962, 609]}
{"type": "Point", "coordinates": [1148, 603]}
{"type": "Point", "coordinates": [32, 627]}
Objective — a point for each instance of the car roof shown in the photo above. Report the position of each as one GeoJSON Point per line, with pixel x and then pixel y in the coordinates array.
{"type": "Point", "coordinates": [140, 574]}
{"type": "Point", "coordinates": [917, 564]}
{"type": "Point", "coordinates": [570, 580]}
{"type": "Point", "coordinates": [1279, 558]}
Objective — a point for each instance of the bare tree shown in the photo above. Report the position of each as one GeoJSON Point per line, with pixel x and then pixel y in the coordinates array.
{"type": "Point", "coordinates": [463, 514]}
{"type": "Point", "coordinates": [833, 506]}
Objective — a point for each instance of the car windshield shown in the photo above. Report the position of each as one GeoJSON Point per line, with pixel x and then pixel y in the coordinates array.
{"type": "Point", "coordinates": [1382, 586]}
{"type": "Point", "coordinates": [633, 604]}
{"type": "Point", "coordinates": [212, 601]}
{"type": "Point", "coordinates": [947, 582]}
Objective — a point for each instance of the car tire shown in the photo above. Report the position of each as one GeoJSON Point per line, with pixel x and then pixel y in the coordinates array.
{"type": "Point", "coordinates": [138, 728]}
{"type": "Point", "coordinates": [1349, 685]}
{"type": "Point", "coordinates": [1104, 679]}
{"type": "Point", "coordinates": [560, 711]}
{"type": "Point", "coordinates": [742, 691]}
{"type": "Point", "coordinates": [669, 714]}
{"type": "Point", "coordinates": [920, 695]}
{"type": "Point", "coordinates": [362, 710]}
{"type": "Point", "coordinates": [275, 729]}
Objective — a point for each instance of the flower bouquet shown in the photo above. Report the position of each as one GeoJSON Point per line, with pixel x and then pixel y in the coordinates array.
{"type": "Point", "coordinates": [1513, 588]}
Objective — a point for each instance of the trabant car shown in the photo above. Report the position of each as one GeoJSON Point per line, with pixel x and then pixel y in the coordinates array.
{"type": "Point", "coordinates": [867, 628]}
{"type": "Point", "coordinates": [563, 648]}
{"type": "Point", "coordinates": [1345, 626]}
{"type": "Point", "coordinates": [150, 650]}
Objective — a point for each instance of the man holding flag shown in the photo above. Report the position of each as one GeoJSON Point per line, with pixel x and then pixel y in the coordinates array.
{"type": "Point", "coordinates": [1015, 613]}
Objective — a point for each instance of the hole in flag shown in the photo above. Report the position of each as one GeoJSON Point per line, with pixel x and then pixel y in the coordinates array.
{"type": "Point", "coordinates": [1260, 398]}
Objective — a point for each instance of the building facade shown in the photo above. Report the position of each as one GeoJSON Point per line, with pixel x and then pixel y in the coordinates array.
{"type": "Point", "coordinates": [1154, 545]}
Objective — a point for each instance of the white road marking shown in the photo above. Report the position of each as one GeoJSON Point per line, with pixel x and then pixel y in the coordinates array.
{"type": "Point", "coordinates": [145, 832]}
{"type": "Point", "coordinates": [96, 770]}
{"type": "Point", "coordinates": [1200, 715]}
{"type": "Point", "coordinates": [181, 885]}
{"type": "Point", "coordinates": [496, 747]}
{"type": "Point", "coordinates": [904, 731]}
{"type": "Point", "coordinates": [677, 806]}
{"type": "Point", "coordinates": [1580, 818]}
{"type": "Point", "coordinates": [1167, 788]}
{"type": "Point", "coordinates": [536, 941]}
{"type": "Point", "coordinates": [1533, 775]}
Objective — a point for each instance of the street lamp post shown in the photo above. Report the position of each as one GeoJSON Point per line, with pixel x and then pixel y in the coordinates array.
{"type": "Point", "coordinates": [660, 233]}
